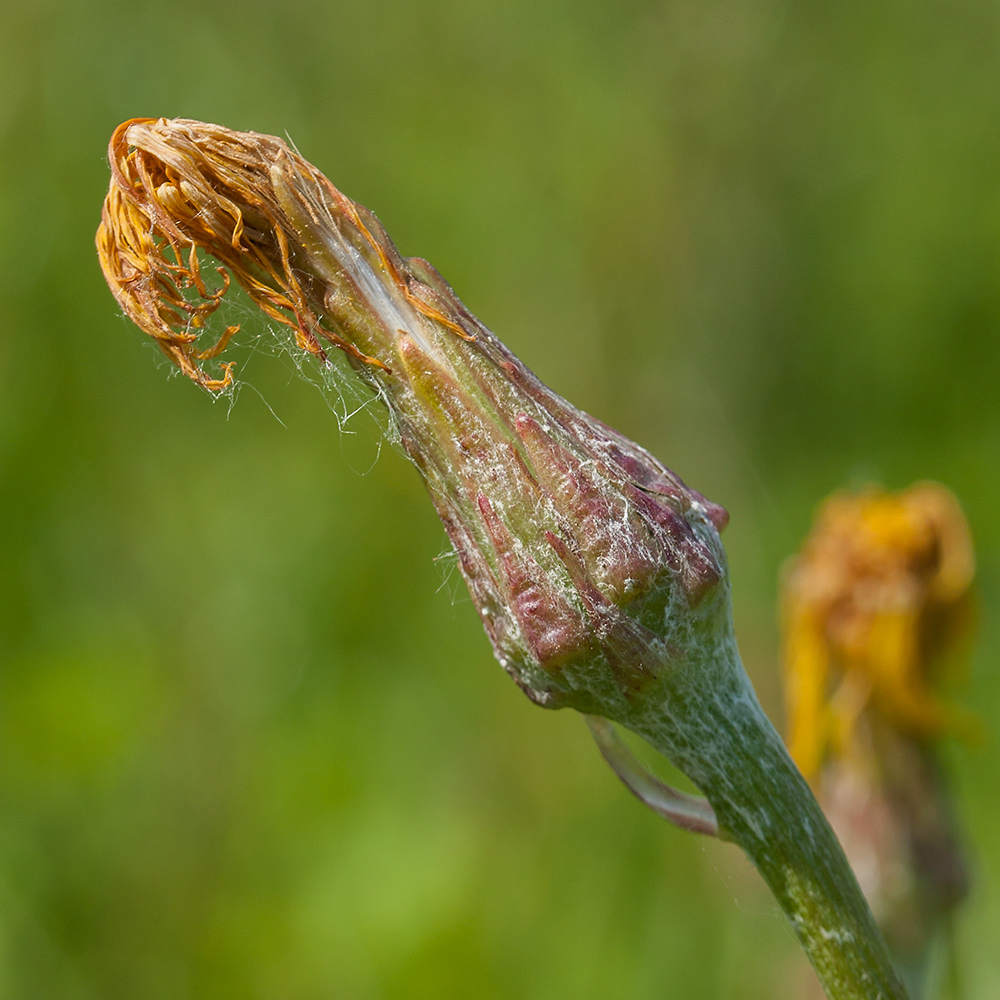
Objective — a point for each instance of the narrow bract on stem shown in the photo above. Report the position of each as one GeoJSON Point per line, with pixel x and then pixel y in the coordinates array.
{"type": "Point", "coordinates": [689, 812]}
{"type": "Point", "coordinates": [599, 576]}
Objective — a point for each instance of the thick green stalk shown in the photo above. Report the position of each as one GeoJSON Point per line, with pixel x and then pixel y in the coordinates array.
{"type": "Point", "coordinates": [764, 805]}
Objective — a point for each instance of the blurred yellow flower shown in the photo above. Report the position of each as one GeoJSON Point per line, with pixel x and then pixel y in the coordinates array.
{"type": "Point", "coordinates": [877, 608]}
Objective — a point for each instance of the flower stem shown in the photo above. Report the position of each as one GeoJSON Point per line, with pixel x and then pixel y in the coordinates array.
{"type": "Point", "coordinates": [764, 805]}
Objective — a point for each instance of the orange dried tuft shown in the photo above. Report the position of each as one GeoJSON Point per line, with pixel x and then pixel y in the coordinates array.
{"type": "Point", "coordinates": [183, 189]}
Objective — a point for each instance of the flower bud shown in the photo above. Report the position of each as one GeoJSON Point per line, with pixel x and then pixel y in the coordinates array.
{"type": "Point", "coordinates": [586, 558]}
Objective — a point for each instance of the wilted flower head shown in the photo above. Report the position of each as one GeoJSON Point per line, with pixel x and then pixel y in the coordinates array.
{"type": "Point", "coordinates": [587, 559]}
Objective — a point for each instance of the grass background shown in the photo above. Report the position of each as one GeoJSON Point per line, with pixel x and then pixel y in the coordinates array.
{"type": "Point", "coordinates": [252, 741]}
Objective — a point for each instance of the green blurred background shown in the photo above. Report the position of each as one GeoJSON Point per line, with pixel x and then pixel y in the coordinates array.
{"type": "Point", "coordinates": [253, 743]}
